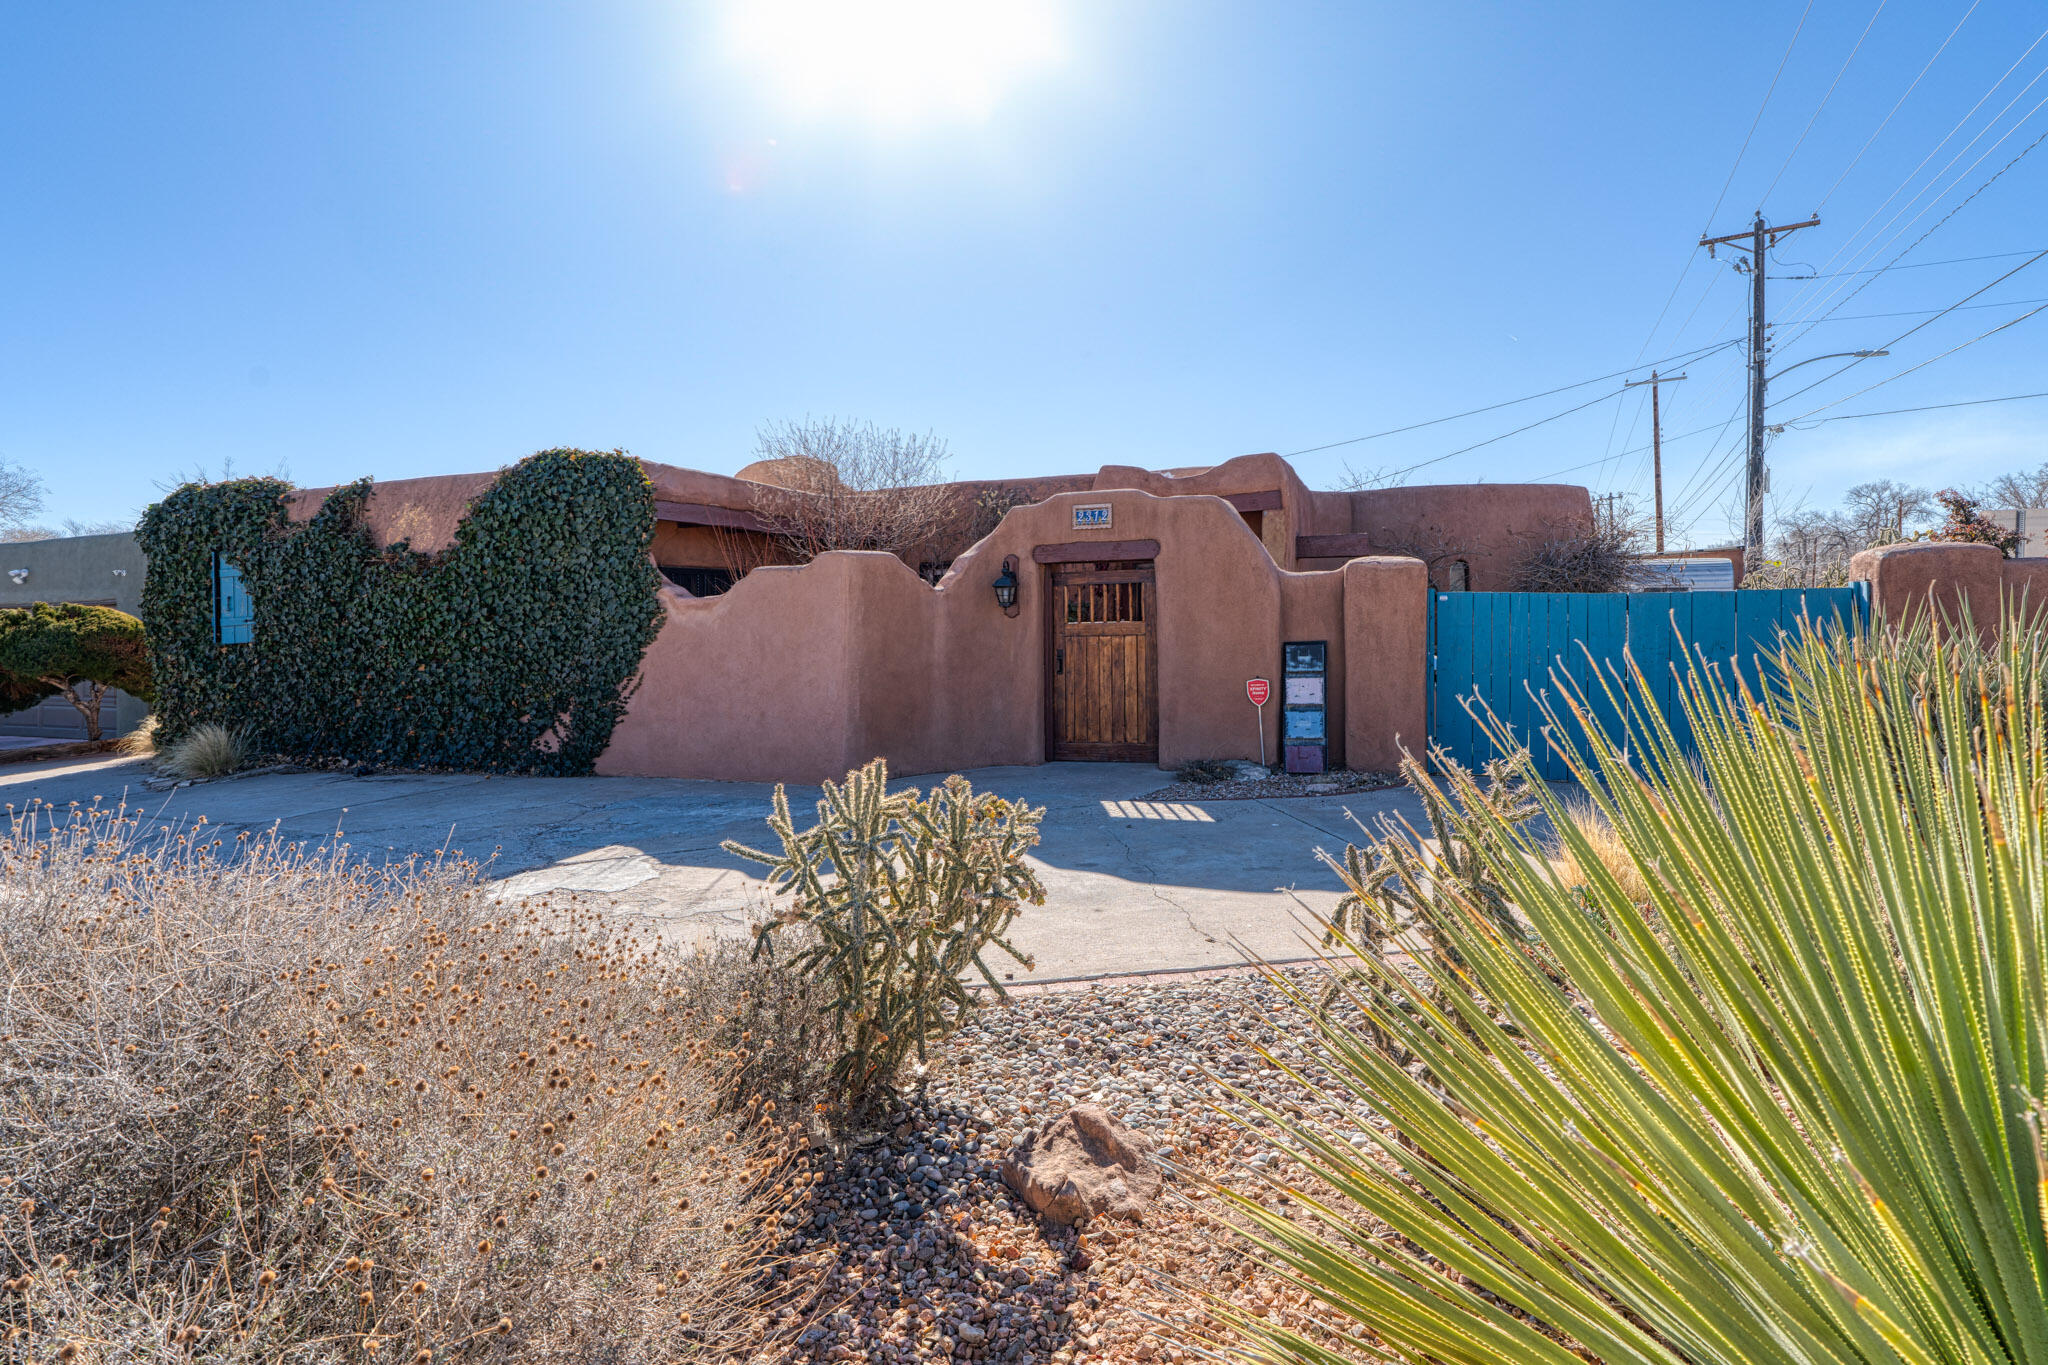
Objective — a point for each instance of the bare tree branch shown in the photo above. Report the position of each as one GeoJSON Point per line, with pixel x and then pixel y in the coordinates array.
{"type": "Point", "coordinates": [855, 486]}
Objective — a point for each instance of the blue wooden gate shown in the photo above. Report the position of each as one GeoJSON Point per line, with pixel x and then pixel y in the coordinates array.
{"type": "Point", "coordinates": [1501, 648]}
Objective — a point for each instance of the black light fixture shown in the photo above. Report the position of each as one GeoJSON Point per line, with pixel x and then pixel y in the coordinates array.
{"type": "Point", "coordinates": [1006, 586]}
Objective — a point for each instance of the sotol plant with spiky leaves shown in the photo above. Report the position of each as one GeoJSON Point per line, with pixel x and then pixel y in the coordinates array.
{"type": "Point", "coordinates": [1784, 1111]}
{"type": "Point", "coordinates": [904, 895]}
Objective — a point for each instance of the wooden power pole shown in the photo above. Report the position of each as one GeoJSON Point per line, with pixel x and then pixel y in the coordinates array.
{"type": "Point", "coordinates": [1656, 443]}
{"type": "Point", "coordinates": [1758, 239]}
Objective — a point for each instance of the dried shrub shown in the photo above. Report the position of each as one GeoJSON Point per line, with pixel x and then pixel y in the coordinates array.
{"type": "Point", "coordinates": [261, 1103]}
{"type": "Point", "coordinates": [207, 750]}
{"type": "Point", "coordinates": [139, 742]}
{"type": "Point", "coordinates": [1603, 845]}
{"type": "Point", "coordinates": [1602, 558]}
{"type": "Point", "coordinates": [1205, 771]}
{"type": "Point", "coordinates": [768, 1020]}
{"type": "Point", "coordinates": [899, 896]}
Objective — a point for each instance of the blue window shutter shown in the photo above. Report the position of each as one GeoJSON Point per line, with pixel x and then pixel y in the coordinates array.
{"type": "Point", "coordinates": [234, 615]}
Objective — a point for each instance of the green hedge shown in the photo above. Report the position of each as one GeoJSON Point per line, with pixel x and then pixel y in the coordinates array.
{"type": "Point", "coordinates": [510, 651]}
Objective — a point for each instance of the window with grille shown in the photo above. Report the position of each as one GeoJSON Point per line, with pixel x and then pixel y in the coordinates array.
{"type": "Point", "coordinates": [234, 614]}
{"type": "Point", "coordinates": [698, 582]}
{"type": "Point", "coordinates": [1105, 602]}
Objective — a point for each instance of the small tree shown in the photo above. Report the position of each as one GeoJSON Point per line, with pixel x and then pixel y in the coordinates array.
{"type": "Point", "coordinates": [21, 497]}
{"type": "Point", "coordinates": [76, 652]}
{"type": "Point", "coordinates": [1885, 511]}
{"type": "Point", "coordinates": [855, 486]}
{"type": "Point", "coordinates": [1966, 523]}
{"type": "Point", "coordinates": [2025, 488]}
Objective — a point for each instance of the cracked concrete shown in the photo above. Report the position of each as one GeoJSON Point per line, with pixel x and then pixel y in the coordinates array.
{"type": "Point", "coordinates": [1129, 887]}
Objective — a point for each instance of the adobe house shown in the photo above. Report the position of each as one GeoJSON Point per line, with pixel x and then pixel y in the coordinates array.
{"type": "Point", "coordinates": [1112, 616]}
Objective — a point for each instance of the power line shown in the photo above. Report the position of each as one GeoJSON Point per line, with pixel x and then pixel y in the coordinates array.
{"type": "Point", "coordinates": [1684, 356]}
{"type": "Point", "coordinates": [1744, 151]}
{"type": "Point", "coordinates": [1955, 128]}
{"type": "Point", "coordinates": [1965, 203]}
{"type": "Point", "coordinates": [1857, 159]}
{"type": "Point", "coordinates": [1915, 328]}
{"type": "Point", "coordinates": [1541, 421]}
{"type": "Point", "coordinates": [1822, 105]}
{"type": "Point", "coordinates": [1929, 407]}
{"type": "Point", "coordinates": [1926, 312]}
{"type": "Point", "coordinates": [1917, 265]}
{"type": "Point", "coordinates": [1921, 366]}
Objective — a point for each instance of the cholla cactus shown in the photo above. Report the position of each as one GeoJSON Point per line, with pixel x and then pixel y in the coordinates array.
{"type": "Point", "coordinates": [903, 895]}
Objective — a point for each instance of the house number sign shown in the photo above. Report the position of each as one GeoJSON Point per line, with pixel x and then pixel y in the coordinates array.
{"type": "Point", "coordinates": [1094, 518]}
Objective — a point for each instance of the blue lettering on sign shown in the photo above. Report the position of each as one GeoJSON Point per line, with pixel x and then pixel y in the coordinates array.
{"type": "Point", "coordinates": [1085, 517]}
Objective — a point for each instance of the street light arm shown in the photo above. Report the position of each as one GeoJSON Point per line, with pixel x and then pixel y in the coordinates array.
{"type": "Point", "coordinates": [1838, 355]}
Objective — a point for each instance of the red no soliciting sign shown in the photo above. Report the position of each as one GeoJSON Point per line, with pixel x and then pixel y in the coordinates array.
{"type": "Point", "coordinates": [1258, 689]}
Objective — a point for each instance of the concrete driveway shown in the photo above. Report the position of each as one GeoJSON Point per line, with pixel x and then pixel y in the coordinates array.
{"type": "Point", "coordinates": [1131, 885]}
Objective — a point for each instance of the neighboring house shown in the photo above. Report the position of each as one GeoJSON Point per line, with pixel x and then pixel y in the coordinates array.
{"type": "Point", "coordinates": [2031, 523]}
{"type": "Point", "coordinates": [99, 571]}
{"type": "Point", "coordinates": [1114, 615]}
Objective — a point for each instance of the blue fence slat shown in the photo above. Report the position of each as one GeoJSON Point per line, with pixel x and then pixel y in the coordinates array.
{"type": "Point", "coordinates": [1524, 651]}
{"type": "Point", "coordinates": [1567, 628]}
{"type": "Point", "coordinates": [1711, 647]}
{"type": "Point", "coordinates": [1757, 625]}
{"type": "Point", "coordinates": [1604, 671]}
{"type": "Point", "coordinates": [1649, 644]}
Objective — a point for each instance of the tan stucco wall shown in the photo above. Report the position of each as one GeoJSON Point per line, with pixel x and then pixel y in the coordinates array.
{"type": "Point", "coordinates": [1386, 629]}
{"type": "Point", "coordinates": [425, 511]}
{"type": "Point", "coordinates": [1266, 473]}
{"type": "Point", "coordinates": [1954, 577]}
{"type": "Point", "coordinates": [801, 673]}
{"type": "Point", "coordinates": [1490, 526]}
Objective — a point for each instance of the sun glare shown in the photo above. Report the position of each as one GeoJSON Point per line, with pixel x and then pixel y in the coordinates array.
{"type": "Point", "coordinates": [894, 61]}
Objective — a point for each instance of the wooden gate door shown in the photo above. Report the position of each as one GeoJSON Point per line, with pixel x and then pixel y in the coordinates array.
{"type": "Point", "coordinates": [1102, 663]}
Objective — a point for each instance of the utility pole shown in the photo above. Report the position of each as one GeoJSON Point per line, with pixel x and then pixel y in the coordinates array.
{"type": "Point", "coordinates": [1760, 237]}
{"type": "Point", "coordinates": [1656, 443]}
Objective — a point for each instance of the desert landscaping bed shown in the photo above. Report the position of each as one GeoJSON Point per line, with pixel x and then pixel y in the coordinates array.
{"type": "Point", "coordinates": [925, 1253]}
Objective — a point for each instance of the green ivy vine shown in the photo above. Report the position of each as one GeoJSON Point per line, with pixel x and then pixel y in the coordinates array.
{"type": "Point", "coordinates": [511, 651]}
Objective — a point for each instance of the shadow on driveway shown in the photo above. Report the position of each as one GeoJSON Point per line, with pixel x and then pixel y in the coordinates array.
{"type": "Point", "coordinates": [1131, 885]}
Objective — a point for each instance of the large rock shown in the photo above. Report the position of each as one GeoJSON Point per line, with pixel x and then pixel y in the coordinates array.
{"type": "Point", "coordinates": [1084, 1165]}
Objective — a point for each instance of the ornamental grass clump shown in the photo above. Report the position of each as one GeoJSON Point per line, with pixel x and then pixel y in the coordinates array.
{"type": "Point", "coordinates": [204, 751]}
{"type": "Point", "coordinates": [899, 896]}
{"type": "Point", "coordinates": [1780, 1102]}
{"type": "Point", "coordinates": [265, 1103]}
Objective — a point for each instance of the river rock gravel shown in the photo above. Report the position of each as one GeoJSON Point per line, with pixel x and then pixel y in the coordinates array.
{"type": "Point", "coordinates": [924, 1254]}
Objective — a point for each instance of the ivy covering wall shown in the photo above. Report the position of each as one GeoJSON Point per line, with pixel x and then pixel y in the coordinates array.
{"type": "Point", "coordinates": [510, 651]}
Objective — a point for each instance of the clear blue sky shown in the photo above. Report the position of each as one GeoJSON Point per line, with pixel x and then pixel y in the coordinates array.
{"type": "Point", "coordinates": [400, 239]}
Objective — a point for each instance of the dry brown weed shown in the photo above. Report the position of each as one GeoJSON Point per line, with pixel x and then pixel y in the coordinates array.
{"type": "Point", "coordinates": [260, 1102]}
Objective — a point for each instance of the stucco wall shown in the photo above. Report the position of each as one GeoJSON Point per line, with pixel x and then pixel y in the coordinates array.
{"type": "Point", "coordinates": [1491, 526]}
{"type": "Point", "coordinates": [74, 569]}
{"type": "Point", "coordinates": [1386, 629]}
{"type": "Point", "coordinates": [802, 673]}
{"type": "Point", "coordinates": [425, 511]}
{"type": "Point", "coordinates": [1953, 578]}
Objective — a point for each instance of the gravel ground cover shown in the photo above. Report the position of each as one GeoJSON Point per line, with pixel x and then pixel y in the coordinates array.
{"type": "Point", "coordinates": [926, 1255]}
{"type": "Point", "coordinates": [1260, 784]}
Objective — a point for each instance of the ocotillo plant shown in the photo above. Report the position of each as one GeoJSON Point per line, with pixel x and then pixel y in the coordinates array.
{"type": "Point", "coordinates": [903, 895]}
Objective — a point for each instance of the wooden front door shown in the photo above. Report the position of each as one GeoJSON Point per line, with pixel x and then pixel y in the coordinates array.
{"type": "Point", "coordinates": [1102, 663]}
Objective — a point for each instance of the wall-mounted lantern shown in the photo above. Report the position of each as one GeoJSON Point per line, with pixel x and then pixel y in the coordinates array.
{"type": "Point", "coordinates": [1006, 586]}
